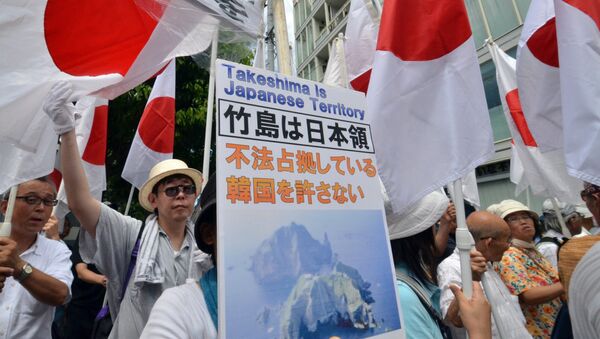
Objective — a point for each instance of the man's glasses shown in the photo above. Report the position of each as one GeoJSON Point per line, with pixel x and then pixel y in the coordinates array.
{"type": "Point", "coordinates": [174, 191]}
{"type": "Point", "coordinates": [33, 200]}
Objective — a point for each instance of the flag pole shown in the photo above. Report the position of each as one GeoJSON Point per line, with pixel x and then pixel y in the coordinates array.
{"type": "Point", "coordinates": [561, 220]}
{"type": "Point", "coordinates": [464, 240]}
{"type": "Point", "coordinates": [129, 199]}
{"type": "Point", "coordinates": [209, 108]}
{"type": "Point", "coordinates": [5, 227]}
{"type": "Point", "coordinates": [283, 46]}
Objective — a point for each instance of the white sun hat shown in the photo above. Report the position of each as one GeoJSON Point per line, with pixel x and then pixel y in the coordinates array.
{"type": "Point", "coordinates": [162, 170]}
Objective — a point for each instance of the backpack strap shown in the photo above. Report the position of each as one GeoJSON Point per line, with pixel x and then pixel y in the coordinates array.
{"type": "Point", "coordinates": [132, 260]}
{"type": "Point", "coordinates": [554, 240]}
{"type": "Point", "coordinates": [416, 287]}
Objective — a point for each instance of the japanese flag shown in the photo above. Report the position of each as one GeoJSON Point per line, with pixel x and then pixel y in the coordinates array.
{"type": "Point", "coordinates": [360, 45]}
{"type": "Point", "coordinates": [544, 172]}
{"type": "Point", "coordinates": [100, 46]}
{"type": "Point", "coordinates": [538, 76]}
{"type": "Point", "coordinates": [426, 92]}
{"type": "Point", "coordinates": [154, 138]}
{"type": "Point", "coordinates": [578, 29]}
{"type": "Point", "coordinates": [91, 134]}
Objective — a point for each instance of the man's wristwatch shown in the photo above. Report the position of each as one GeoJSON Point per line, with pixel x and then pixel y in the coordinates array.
{"type": "Point", "coordinates": [25, 272]}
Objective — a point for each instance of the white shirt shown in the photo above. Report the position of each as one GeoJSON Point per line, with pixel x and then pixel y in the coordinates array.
{"type": "Point", "coordinates": [180, 313]}
{"type": "Point", "coordinates": [448, 273]}
{"type": "Point", "coordinates": [23, 316]}
{"type": "Point", "coordinates": [584, 295]}
{"type": "Point", "coordinates": [549, 249]}
{"type": "Point", "coordinates": [110, 251]}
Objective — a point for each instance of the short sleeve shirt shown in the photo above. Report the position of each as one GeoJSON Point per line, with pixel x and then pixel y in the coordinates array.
{"type": "Point", "coordinates": [23, 316]}
{"type": "Point", "coordinates": [522, 269]}
{"type": "Point", "coordinates": [417, 321]}
{"type": "Point", "coordinates": [116, 235]}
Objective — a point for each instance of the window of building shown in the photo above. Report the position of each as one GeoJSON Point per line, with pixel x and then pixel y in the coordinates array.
{"type": "Point", "coordinates": [523, 6]}
{"type": "Point", "coordinates": [476, 20]}
{"type": "Point", "coordinates": [501, 16]}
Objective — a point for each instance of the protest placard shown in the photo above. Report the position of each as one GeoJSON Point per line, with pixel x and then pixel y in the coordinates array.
{"type": "Point", "coordinates": [303, 249]}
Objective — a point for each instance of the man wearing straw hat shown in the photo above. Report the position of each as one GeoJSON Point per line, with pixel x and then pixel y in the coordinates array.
{"type": "Point", "coordinates": [108, 238]}
{"type": "Point", "coordinates": [40, 268]}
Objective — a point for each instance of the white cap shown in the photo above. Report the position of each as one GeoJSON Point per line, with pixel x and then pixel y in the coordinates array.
{"type": "Point", "coordinates": [421, 216]}
{"type": "Point", "coordinates": [509, 206]}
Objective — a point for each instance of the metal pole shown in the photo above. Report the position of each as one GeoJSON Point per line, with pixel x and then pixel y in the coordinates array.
{"type": "Point", "coordinates": [269, 40]}
{"type": "Point", "coordinates": [485, 21]}
{"type": "Point", "coordinates": [5, 227]}
{"type": "Point", "coordinates": [209, 108]}
{"type": "Point", "coordinates": [283, 50]}
{"type": "Point", "coordinates": [129, 199]}
{"type": "Point", "coordinates": [518, 14]}
{"type": "Point", "coordinates": [464, 240]}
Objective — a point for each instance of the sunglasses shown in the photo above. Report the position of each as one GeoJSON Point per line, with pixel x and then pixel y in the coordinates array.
{"type": "Point", "coordinates": [174, 190]}
{"type": "Point", "coordinates": [34, 201]}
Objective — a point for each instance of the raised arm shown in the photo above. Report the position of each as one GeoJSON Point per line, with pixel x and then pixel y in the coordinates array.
{"type": "Point", "coordinates": [81, 201]}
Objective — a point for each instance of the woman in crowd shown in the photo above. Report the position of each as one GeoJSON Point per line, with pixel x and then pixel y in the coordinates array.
{"type": "Point", "coordinates": [413, 249]}
{"type": "Point", "coordinates": [527, 273]}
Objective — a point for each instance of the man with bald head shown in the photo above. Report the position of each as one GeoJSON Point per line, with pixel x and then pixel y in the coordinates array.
{"type": "Point", "coordinates": [492, 237]}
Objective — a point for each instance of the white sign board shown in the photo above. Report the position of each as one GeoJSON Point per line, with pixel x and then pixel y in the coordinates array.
{"type": "Point", "coordinates": [303, 249]}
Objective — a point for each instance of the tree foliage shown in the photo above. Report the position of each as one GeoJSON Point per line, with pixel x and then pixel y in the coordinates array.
{"type": "Point", "coordinates": [191, 95]}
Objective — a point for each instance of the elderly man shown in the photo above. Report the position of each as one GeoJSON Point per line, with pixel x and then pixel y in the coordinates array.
{"type": "Point", "coordinates": [584, 289]}
{"type": "Point", "coordinates": [492, 238]}
{"type": "Point", "coordinates": [40, 268]}
{"type": "Point", "coordinates": [108, 238]}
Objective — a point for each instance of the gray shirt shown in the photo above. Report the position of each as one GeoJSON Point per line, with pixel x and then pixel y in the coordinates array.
{"type": "Point", "coordinates": [111, 251]}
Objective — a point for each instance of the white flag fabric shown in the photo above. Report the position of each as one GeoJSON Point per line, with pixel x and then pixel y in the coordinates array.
{"type": "Point", "coordinates": [91, 134]}
{"type": "Point", "coordinates": [19, 165]}
{"type": "Point", "coordinates": [538, 75]}
{"type": "Point", "coordinates": [154, 138]}
{"type": "Point", "coordinates": [430, 121]}
{"type": "Point", "coordinates": [469, 188]}
{"type": "Point", "coordinates": [335, 73]}
{"type": "Point", "coordinates": [107, 46]}
{"type": "Point", "coordinates": [362, 28]}
{"type": "Point", "coordinates": [544, 172]}
{"type": "Point", "coordinates": [578, 29]}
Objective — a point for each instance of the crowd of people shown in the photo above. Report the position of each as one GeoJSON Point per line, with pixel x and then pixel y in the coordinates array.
{"type": "Point", "coordinates": [160, 280]}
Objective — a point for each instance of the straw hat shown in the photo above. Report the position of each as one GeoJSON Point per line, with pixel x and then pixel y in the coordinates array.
{"type": "Point", "coordinates": [506, 207]}
{"type": "Point", "coordinates": [421, 216]}
{"type": "Point", "coordinates": [162, 170]}
{"type": "Point", "coordinates": [569, 256]}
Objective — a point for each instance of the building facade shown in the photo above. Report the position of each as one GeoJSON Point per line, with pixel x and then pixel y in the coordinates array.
{"type": "Point", "coordinates": [318, 22]}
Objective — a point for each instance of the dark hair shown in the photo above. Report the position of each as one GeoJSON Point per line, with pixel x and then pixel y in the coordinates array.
{"type": "Point", "coordinates": [170, 178]}
{"type": "Point", "coordinates": [208, 219]}
{"type": "Point", "coordinates": [45, 178]}
{"type": "Point", "coordinates": [418, 253]}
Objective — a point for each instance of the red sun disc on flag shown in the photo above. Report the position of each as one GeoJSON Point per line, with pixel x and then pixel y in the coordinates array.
{"type": "Point", "coordinates": [95, 150]}
{"type": "Point", "coordinates": [95, 37]}
{"type": "Point", "coordinates": [543, 43]}
{"type": "Point", "coordinates": [591, 8]}
{"type": "Point", "coordinates": [157, 126]}
{"type": "Point", "coordinates": [423, 30]}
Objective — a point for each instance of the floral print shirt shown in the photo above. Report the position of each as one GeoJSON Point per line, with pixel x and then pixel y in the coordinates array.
{"type": "Point", "coordinates": [522, 269]}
